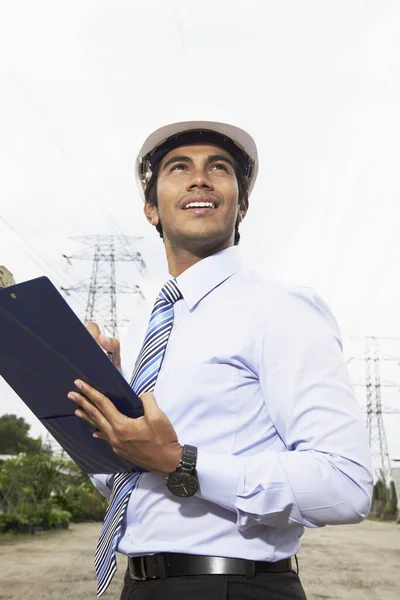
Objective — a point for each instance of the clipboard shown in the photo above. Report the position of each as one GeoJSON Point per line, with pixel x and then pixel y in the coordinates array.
{"type": "Point", "coordinates": [44, 347]}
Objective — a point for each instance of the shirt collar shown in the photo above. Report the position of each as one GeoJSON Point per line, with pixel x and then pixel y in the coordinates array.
{"type": "Point", "coordinates": [197, 281]}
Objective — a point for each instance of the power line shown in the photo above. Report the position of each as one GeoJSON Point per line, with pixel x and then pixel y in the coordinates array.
{"type": "Point", "coordinates": [30, 97]}
{"type": "Point", "coordinates": [40, 261]}
{"type": "Point", "coordinates": [105, 251]}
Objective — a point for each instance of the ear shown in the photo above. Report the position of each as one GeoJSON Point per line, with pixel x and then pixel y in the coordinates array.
{"type": "Point", "coordinates": [151, 213]}
{"type": "Point", "coordinates": [243, 207]}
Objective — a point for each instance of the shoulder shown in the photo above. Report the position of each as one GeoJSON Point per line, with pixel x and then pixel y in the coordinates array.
{"type": "Point", "coordinates": [284, 305]}
{"type": "Point", "coordinates": [260, 287]}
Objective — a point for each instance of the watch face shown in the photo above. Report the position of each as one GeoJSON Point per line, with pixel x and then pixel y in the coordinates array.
{"type": "Point", "coordinates": [182, 484]}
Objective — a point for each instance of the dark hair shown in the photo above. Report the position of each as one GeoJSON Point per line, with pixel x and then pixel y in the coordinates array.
{"type": "Point", "coordinates": [150, 193]}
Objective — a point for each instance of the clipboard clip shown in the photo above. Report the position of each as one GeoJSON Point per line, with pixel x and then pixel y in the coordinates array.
{"type": "Point", "coordinates": [6, 278]}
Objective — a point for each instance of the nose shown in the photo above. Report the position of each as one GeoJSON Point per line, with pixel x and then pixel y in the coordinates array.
{"type": "Point", "coordinates": [199, 179]}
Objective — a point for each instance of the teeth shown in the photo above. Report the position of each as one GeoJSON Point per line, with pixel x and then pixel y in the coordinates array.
{"type": "Point", "coordinates": [200, 205]}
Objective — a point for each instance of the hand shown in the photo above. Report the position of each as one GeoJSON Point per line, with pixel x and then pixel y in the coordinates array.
{"type": "Point", "coordinates": [110, 345]}
{"type": "Point", "coordinates": [149, 441]}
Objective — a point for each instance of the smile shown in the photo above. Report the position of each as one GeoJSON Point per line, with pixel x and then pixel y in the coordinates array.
{"type": "Point", "coordinates": [199, 205]}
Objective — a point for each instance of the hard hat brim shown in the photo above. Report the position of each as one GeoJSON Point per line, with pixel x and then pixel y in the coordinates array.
{"type": "Point", "coordinates": [160, 136]}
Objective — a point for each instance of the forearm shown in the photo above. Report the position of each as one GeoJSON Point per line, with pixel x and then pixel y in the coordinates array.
{"type": "Point", "coordinates": [281, 489]}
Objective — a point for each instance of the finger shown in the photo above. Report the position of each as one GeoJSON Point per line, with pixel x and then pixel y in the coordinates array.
{"type": "Point", "coordinates": [80, 411]}
{"type": "Point", "coordinates": [150, 405]}
{"type": "Point", "coordinates": [89, 412]}
{"type": "Point", "coordinates": [152, 411]}
{"type": "Point", "coordinates": [109, 344]}
{"type": "Point", "coordinates": [93, 329]}
{"type": "Point", "coordinates": [82, 414]}
{"type": "Point", "coordinates": [99, 402]}
{"type": "Point", "coordinates": [99, 435]}
{"type": "Point", "coordinates": [112, 347]}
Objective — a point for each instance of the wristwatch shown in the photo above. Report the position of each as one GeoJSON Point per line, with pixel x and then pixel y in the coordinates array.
{"type": "Point", "coordinates": [183, 481]}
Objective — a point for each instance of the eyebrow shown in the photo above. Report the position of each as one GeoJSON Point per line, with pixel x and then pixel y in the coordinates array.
{"type": "Point", "coordinates": [210, 159]}
{"type": "Point", "coordinates": [176, 159]}
{"type": "Point", "coordinates": [221, 157]}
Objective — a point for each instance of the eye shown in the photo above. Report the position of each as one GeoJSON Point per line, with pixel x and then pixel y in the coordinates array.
{"type": "Point", "coordinates": [220, 167]}
{"type": "Point", "coordinates": [178, 167]}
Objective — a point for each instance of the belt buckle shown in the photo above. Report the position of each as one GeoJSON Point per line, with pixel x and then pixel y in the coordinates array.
{"type": "Point", "coordinates": [136, 564]}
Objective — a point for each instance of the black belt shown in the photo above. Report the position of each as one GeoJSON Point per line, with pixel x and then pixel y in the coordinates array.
{"type": "Point", "coordinates": [162, 566]}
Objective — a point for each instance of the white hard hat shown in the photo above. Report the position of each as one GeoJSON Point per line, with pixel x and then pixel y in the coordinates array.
{"type": "Point", "coordinates": [235, 140]}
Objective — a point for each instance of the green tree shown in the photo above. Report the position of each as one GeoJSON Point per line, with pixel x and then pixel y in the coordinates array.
{"type": "Point", "coordinates": [28, 485]}
{"type": "Point", "coordinates": [46, 491]}
{"type": "Point", "coordinates": [14, 436]}
{"type": "Point", "coordinates": [79, 497]}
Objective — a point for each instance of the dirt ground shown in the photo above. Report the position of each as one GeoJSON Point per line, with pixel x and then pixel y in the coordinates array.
{"type": "Point", "coordinates": [357, 562]}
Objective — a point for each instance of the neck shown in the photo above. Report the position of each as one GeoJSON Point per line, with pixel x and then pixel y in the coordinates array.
{"type": "Point", "coordinates": [180, 259]}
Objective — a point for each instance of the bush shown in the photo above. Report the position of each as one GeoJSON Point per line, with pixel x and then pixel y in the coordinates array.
{"type": "Point", "coordinates": [83, 502]}
{"type": "Point", "coordinates": [34, 517]}
{"type": "Point", "coordinates": [19, 522]}
{"type": "Point", "coordinates": [46, 491]}
{"type": "Point", "coordinates": [59, 518]}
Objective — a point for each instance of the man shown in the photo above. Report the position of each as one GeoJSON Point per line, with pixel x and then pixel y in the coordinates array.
{"type": "Point", "coordinates": [253, 431]}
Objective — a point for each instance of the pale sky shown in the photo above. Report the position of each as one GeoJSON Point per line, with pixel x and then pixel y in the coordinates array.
{"type": "Point", "coordinates": [315, 82]}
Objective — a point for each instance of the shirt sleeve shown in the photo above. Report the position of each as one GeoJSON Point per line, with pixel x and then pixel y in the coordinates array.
{"type": "Point", "coordinates": [102, 482]}
{"type": "Point", "coordinates": [324, 476]}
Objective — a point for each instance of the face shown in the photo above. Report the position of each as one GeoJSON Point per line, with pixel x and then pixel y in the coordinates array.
{"type": "Point", "coordinates": [197, 195]}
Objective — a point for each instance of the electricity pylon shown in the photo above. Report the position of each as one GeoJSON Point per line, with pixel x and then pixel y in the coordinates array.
{"type": "Point", "coordinates": [374, 408]}
{"type": "Point", "coordinates": [105, 251]}
{"type": "Point", "coordinates": [375, 425]}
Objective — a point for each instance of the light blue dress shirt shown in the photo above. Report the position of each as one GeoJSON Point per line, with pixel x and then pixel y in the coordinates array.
{"type": "Point", "coordinates": [254, 376]}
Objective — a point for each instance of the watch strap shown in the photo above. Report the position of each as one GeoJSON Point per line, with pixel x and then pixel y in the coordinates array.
{"type": "Point", "coordinates": [188, 461]}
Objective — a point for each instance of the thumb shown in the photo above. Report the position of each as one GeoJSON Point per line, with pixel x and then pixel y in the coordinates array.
{"type": "Point", "coordinates": [151, 408]}
{"type": "Point", "coordinates": [108, 343]}
{"type": "Point", "coordinates": [112, 347]}
{"type": "Point", "coordinates": [93, 329]}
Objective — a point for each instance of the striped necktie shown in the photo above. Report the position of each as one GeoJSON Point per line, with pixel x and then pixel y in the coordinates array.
{"type": "Point", "coordinates": [143, 379]}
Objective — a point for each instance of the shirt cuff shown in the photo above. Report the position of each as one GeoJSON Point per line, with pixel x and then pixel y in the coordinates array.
{"type": "Point", "coordinates": [220, 476]}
